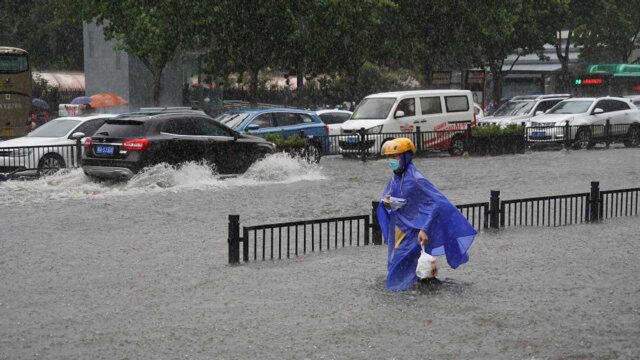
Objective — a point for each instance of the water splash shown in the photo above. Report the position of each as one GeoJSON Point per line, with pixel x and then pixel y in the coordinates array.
{"type": "Point", "coordinates": [73, 184]}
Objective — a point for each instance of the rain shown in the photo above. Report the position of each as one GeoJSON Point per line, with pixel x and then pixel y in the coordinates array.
{"type": "Point", "coordinates": [115, 230]}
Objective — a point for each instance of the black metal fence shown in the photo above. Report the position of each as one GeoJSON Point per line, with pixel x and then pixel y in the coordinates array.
{"type": "Point", "coordinates": [38, 160]}
{"type": "Point", "coordinates": [285, 240]}
{"type": "Point", "coordinates": [361, 143]}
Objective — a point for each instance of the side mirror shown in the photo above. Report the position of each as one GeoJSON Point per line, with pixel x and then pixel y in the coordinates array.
{"type": "Point", "coordinates": [399, 114]}
{"type": "Point", "coordinates": [252, 127]}
{"type": "Point", "coordinates": [77, 135]}
{"type": "Point", "coordinates": [598, 111]}
{"type": "Point", "coordinates": [539, 112]}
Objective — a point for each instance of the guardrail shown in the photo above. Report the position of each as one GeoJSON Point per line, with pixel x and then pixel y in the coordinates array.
{"type": "Point", "coordinates": [288, 239]}
{"type": "Point", "coordinates": [362, 144]}
{"type": "Point", "coordinates": [38, 160]}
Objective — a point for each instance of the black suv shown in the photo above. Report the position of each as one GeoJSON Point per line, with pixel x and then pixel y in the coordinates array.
{"type": "Point", "coordinates": [126, 144]}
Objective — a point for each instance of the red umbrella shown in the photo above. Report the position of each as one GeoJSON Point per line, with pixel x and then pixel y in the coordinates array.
{"type": "Point", "coordinates": [107, 100]}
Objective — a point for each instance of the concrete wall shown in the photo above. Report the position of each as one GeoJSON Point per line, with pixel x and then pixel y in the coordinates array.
{"type": "Point", "coordinates": [105, 69]}
{"type": "Point", "coordinates": [117, 72]}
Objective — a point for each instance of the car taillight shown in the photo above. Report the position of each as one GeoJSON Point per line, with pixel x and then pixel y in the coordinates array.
{"type": "Point", "coordinates": [326, 127]}
{"type": "Point", "coordinates": [88, 142]}
{"type": "Point", "coordinates": [136, 144]}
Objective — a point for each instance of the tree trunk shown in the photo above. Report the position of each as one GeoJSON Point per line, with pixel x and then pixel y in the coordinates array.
{"type": "Point", "coordinates": [253, 86]}
{"type": "Point", "coordinates": [301, 69]}
{"type": "Point", "coordinates": [427, 75]}
{"type": "Point", "coordinates": [497, 86]}
{"type": "Point", "coordinates": [157, 84]}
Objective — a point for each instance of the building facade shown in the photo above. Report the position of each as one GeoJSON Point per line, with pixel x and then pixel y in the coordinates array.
{"type": "Point", "coordinates": [114, 71]}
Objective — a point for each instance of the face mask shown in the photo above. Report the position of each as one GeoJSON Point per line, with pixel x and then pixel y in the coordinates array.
{"type": "Point", "coordinates": [394, 164]}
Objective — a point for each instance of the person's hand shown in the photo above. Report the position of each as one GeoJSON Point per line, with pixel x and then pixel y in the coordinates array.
{"type": "Point", "coordinates": [385, 201]}
{"type": "Point", "coordinates": [423, 239]}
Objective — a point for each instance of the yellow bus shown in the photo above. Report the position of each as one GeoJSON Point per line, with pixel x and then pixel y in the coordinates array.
{"type": "Point", "coordinates": [15, 91]}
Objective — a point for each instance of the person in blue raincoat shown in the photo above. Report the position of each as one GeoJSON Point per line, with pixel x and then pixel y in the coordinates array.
{"type": "Point", "coordinates": [426, 218]}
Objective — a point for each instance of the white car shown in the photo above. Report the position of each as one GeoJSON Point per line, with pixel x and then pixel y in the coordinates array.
{"type": "Point", "coordinates": [334, 118]}
{"type": "Point", "coordinates": [478, 110]}
{"type": "Point", "coordinates": [635, 99]}
{"type": "Point", "coordinates": [521, 109]}
{"type": "Point", "coordinates": [587, 118]}
{"type": "Point", "coordinates": [50, 147]}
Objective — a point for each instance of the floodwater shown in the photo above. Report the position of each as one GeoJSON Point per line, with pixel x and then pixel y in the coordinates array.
{"type": "Point", "coordinates": [138, 269]}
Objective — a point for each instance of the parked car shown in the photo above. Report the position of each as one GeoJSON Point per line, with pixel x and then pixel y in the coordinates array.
{"type": "Point", "coordinates": [125, 145]}
{"type": "Point", "coordinates": [478, 110]}
{"type": "Point", "coordinates": [635, 99]}
{"type": "Point", "coordinates": [50, 147]}
{"type": "Point", "coordinates": [586, 118]}
{"type": "Point", "coordinates": [403, 112]}
{"type": "Point", "coordinates": [289, 122]}
{"type": "Point", "coordinates": [521, 109]}
{"type": "Point", "coordinates": [334, 118]}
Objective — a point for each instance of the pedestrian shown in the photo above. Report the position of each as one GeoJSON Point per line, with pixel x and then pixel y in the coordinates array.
{"type": "Point", "coordinates": [414, 214]}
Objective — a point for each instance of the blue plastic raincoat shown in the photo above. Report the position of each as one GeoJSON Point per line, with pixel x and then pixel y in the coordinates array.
{"type": "Point", "coordinates": [426, 209]}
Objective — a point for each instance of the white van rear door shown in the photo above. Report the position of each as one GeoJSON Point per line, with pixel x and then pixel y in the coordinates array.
{"type": "Point", "coordinates": [431, 114]}
{"type": "Point", "coordinates": [459, 111]}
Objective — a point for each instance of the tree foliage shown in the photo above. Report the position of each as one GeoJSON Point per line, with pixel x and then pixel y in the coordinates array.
{"type": "Point", "coordinates": [611, 33]}
{"type": "Point", "coordinates": [54, 41]}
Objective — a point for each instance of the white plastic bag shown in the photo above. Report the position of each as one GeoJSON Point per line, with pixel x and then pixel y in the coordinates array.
{"type": "Point", "coordinates": [426, 266]}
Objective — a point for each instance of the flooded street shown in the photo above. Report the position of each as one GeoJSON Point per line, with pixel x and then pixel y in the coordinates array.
{"type": "Point", "coordinates": [138, 269]}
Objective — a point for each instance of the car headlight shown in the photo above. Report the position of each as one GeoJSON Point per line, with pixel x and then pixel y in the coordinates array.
{"type": "Point", "coordinates": [21, 152]}
{"type": "Point", "coordinates": [375, 130]}
{"type": "Point", "coordinates": [561, 123]}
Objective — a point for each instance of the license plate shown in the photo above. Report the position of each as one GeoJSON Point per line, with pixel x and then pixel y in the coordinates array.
{"type": "Point", "coordinates": [353, 139]}
{"type": "Point", "coordinates": [104, 150]}
{"type": "Point", "coordinates": [538, 134]}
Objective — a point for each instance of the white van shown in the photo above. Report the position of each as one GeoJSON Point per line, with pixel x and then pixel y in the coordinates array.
{"type": "Point", "coordinates": [402, 112]}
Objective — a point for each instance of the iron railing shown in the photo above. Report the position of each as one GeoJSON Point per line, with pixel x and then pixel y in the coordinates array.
{"type": "Point", "coordinates": [285, 240]}
{"type": "Point", "coordinates": [37, 160]}
{"type": "Point", "coordinates": [362, 144]}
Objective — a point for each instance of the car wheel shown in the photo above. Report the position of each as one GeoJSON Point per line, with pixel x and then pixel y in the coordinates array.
{"type": "Point", "coordinates": [633, 137]}
{"type": "Point", "coordinates": [583, 140]}
{"type": "Point", "coordinates": [457, 146]}
{"type": "Point", "coordinates": [312, 153]}
{"type": "Point", "coordinates": [50, 164]}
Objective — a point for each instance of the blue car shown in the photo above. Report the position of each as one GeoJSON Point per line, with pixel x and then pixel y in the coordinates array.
{"type": "Point", "coordinates": [280, 120]}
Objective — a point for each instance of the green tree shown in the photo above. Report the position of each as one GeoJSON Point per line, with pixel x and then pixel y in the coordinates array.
{"type": "Point", "coordinates": [53, 40]}
{"type": "Point", "coordinates": [251, 35]}
{"type": "Point", "coordinates": [504, 27]}
{"type": "Point", "coordinates": [562, 18]}
{"type": "Point", "coordinates": [152, 31]}
{"type": "Point", "coordinates": [612, 32]}
{"type": "Point", "coordinates": [434, 35]}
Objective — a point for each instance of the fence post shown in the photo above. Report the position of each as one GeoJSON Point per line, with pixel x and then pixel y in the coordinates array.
{"type": "Point", "coordinates": [363, 139]}
{"type": "Point", "coordinates": [418, 139]}
{"type": "Point", "coordinates": [234, 239]}
{"type": "Point", "coordinates": [567, 135]}
{"type": "Point", "coordinates": [607, 133]}
{"type": "Point", "coordinates": [78, 152]}
{"type": "Point", "coordinates": [367, 226]}
{"type": "Point", "coordinates": [594, 202]}
{"type": "Point", "coordinates": [494, 210]}
{"type": "Point", "coordinates": [375, 225]}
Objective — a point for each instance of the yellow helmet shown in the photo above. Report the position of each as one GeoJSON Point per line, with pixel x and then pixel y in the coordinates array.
{"type": "Point", "coordinates": [397, 146]}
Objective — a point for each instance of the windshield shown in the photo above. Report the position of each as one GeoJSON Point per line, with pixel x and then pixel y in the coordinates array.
{"type": "Point", "coordinates": [376, 108]}
{"type": "Point", "coordinates": [13, 64]}
{"type": "Point", "coordinates": [55, 128]}
{"type": "Point", "coordinates": [232, 120]}
{"type": "Point", "coordinates": [571, 107]}
{"type": "Point", "coordinates": [514, 108]}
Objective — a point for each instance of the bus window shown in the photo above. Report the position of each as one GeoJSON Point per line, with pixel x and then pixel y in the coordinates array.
{"type": "Point", "coordinates": [13, 64]}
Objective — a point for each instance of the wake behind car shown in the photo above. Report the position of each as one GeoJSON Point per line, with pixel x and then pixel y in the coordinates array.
{"type": "Point", "coordinates": [125, 145]}
{"type": "Point", "coordinates": [586, 118]}
{"type": "Point", "coordinates": [48, 148]}
{"type": "Point", "coordinates": [289, 122]}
